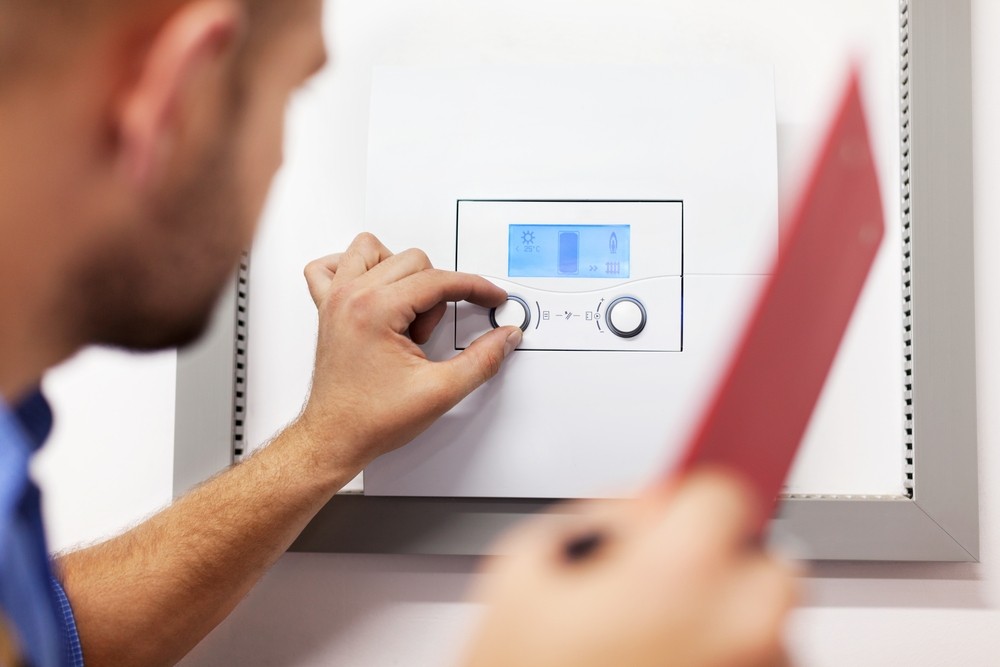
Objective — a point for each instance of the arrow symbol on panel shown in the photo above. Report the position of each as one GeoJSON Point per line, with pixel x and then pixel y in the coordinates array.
{"type": "Point", "coordinates": [593, 268]}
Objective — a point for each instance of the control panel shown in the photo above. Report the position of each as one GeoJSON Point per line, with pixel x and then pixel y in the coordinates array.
{"type": "Point", "coordinates": [581, 276]}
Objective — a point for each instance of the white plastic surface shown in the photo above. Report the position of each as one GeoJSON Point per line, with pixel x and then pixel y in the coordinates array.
{"type": "Point", "coordinates": [571, 424]}
{"type": "Point", "coordinates": [570, 415]}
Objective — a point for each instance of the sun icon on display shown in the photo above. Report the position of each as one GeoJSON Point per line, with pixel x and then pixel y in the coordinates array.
{"type": "Point", "coordinates": [528, 238]}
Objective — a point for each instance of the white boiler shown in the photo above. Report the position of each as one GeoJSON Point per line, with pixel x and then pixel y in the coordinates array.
{"type": "Point", "coordinates": [629, 212]}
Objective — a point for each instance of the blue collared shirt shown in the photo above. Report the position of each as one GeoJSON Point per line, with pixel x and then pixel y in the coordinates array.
{"type": "Point", "coordinates": [31, 599]}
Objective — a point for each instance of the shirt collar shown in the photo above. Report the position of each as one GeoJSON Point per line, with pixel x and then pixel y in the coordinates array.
{"type": "Point", "coordinates": [26, 425]}
{"type": "Point", "coordinates": [35, 417]}
{"type": "Point", "coordinates": [23, 428]}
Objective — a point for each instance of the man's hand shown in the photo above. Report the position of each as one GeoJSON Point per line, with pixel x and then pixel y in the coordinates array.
{"type": "Point", "coordinates": [374, 390]}
{"type": "Point", "coordinates": [669, 579]}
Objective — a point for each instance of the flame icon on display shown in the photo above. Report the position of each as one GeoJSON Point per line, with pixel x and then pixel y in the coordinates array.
{"type": "Point", "coordinates": [613, 243]}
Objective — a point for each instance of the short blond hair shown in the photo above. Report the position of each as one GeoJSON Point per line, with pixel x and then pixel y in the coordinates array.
{"type": "Point", "coordinates": [39, 34]}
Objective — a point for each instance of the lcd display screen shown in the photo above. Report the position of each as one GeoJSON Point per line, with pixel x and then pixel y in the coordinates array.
{"type": "Point", "coordinates": [569, 251]}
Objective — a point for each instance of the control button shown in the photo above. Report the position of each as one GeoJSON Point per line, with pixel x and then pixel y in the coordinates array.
{"type": "Point", "coordinates": [626, 317]}
{"type": "Point", "coordinates": [514, 313]}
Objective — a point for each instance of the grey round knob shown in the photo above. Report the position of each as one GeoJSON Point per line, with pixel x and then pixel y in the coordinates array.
{"type": "Point", "coordinates": [626, 317]}
{"type": "Point", "coordinates": [514, 313]}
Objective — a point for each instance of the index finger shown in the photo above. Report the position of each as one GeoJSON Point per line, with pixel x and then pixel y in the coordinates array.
{"type": "Point", "coordinates": [364, 253]}
{"type": "Point", "coordinates": [426, 289]}
{"type": "Point", "coordinates": [319, 274]}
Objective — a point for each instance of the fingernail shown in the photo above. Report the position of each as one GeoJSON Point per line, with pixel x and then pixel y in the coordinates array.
{"type": "Point", "coordinates": [513, 340]}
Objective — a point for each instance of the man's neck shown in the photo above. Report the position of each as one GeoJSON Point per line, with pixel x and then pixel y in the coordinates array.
{"type": "Point", "coordinates": [25, 355]}
{"type": "Point", "coordinates": [34, 335]}
{"type": "Point", "coordinates": [39, 236]}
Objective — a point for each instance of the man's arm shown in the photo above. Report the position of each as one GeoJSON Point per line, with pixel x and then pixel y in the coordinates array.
{"type": "Point", "coordinates": [148, 596]}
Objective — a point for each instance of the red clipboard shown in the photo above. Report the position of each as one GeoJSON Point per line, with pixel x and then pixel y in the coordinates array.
{"type": "Point", "coordinates": [760, 411]}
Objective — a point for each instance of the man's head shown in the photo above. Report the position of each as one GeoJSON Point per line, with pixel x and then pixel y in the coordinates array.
{"type": "Point", "coordinates": [137, 144]}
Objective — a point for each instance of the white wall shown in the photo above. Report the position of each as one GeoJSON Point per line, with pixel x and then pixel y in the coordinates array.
{"type": "Point", "coordinates": [110, 459]}
{"type": "Point", "coordinates": [109, 464]}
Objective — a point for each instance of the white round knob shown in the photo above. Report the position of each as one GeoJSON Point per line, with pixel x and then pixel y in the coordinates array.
{"type": "Point", "coordinates": [514, 313]}
{"type": "Point", "coordinates": [626, 317]}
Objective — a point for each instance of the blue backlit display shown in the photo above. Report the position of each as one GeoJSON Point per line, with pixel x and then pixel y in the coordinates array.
{"type": "Point", "coordinates": [568, 251]}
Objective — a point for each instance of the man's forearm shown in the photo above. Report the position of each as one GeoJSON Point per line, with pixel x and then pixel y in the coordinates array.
{"type": "Point", "coordinates": [149, 596]}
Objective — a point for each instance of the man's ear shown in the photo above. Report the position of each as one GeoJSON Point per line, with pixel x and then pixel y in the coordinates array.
{"type": "Point", "coordinates": [188, 51]}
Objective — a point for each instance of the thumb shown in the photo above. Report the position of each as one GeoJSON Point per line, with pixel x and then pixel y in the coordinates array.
{"type": "Point", "coordinates": [481, 360]}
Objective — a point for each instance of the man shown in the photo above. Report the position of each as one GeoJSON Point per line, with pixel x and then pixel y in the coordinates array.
{"type": "Point", "coordinates": [137, 143]}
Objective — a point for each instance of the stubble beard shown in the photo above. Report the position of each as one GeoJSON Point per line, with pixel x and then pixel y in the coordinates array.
{"type": "Point", "coordinates": [157, 288]}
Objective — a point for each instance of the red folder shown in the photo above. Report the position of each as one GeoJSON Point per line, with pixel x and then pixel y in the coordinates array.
{"type": "Point", "coordinates": [756, 420]}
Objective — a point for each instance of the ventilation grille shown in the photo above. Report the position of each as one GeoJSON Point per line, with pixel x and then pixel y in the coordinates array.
{"type": "Point", "coordinates": [240, 360]}
{"type": "Point", "coordinates": [904, 109]}
{"type": "Point", "coordinates": [904, 138]}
